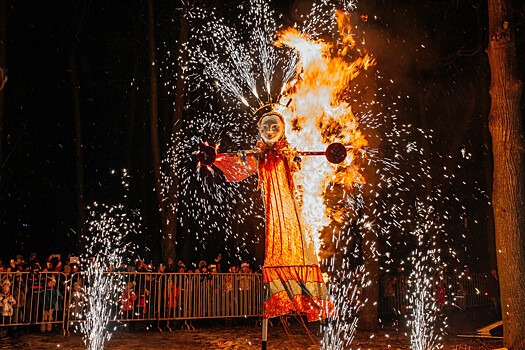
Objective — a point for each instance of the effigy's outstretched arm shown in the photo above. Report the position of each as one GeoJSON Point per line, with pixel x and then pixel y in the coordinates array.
{"type": "Point", "coordinates": [335, 153]}
{"type": "Point", "coordinates": [245, 161]}
{"type": "Point", "coordinates": [236, 166]}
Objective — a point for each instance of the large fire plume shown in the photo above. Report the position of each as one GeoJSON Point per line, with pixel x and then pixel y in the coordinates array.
{"type": "Point", "coordinates": [319, 113]}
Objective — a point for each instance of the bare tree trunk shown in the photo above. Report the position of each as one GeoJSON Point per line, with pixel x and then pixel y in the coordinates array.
{"type": "Point", "coordinates": [491, 244]}
{"type": "Point", "coordinates": [154, 108]}
{"type": "Point", "coordinates": [167, 240]}
{"type": "Point", "coordinates": [487, 146]}
{"type": "Point", "coordinates": [77, 114]}
{"type": "Point", "coordinates": [178, 114]}
{"type": "Point", "coordinates": [508, 194]}
{"type": "Point", "coordinates": [3, 74]}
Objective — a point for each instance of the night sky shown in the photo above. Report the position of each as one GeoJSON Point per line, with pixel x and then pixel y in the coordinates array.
{"type": "Point", "coordinates": [38, 174]}
{"type": "Point", "coordinates": [431, 56]}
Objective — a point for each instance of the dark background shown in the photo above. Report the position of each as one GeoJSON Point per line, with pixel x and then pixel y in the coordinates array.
{"type": "Point", "coordinates": [434, 75]}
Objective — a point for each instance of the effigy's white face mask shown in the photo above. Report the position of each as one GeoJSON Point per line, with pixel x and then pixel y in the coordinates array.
{"type": "Point", "coordinates": [271, 128]}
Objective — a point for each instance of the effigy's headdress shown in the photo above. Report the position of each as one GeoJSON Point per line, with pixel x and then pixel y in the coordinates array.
{"type": "Point", "coordinates": [264, 110]}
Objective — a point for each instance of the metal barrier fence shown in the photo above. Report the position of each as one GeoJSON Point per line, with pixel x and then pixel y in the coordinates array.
{"type": "Point", "coordinates": [52, 298]}
{"type": "Point", "coordinates": [33, 298]}
{"type": "Point", "coordinates": [458, 292]}
{"type": "Point", "coordinates": [182, 296]}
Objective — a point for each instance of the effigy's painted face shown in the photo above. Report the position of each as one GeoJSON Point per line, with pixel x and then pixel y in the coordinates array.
{"type": "Point", "coordinates": [271, 128]}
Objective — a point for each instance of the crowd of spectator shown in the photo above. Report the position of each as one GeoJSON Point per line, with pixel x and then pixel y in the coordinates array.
{"type": "Point", "coordinates": [39, 296]}
{"type": "Point", "coordinates": [71, 264]}
{"type": "Point", "coordinates": [44, 287]}
{"type": "Point", "coordinates": [170, 266]}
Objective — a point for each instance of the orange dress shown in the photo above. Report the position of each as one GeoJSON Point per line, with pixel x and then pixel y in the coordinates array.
{"type": "Point", "coordinates": [291, 274]}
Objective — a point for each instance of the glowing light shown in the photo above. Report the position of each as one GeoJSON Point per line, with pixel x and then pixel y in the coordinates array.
{"type": "Point", "coordinates": [106, 249]}
{"type": "Point", "coordinates": [312, 83]}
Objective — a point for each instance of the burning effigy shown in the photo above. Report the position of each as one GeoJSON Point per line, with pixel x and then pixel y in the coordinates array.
{"type": "Point", "coordinates": [298, 85]}
{"type": "Point", "coordinates": [311, 118]}
{"type": "Point", "coordinates": [292, 277]}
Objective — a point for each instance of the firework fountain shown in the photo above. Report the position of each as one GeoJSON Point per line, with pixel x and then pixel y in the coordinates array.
{"type": "Point", "coordinates": [308, 74]}
{"type": "Point", "coordinates": [107, 245]}
{"type": "Point", "coordinates": [425, 282]}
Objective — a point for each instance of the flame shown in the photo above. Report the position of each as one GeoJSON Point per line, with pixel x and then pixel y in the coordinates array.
{"type": "Point", "coordinates": [318, 114]}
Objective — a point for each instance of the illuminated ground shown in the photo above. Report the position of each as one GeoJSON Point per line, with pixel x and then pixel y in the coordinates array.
{"type": "Point", "coordinates": [219, 336]}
